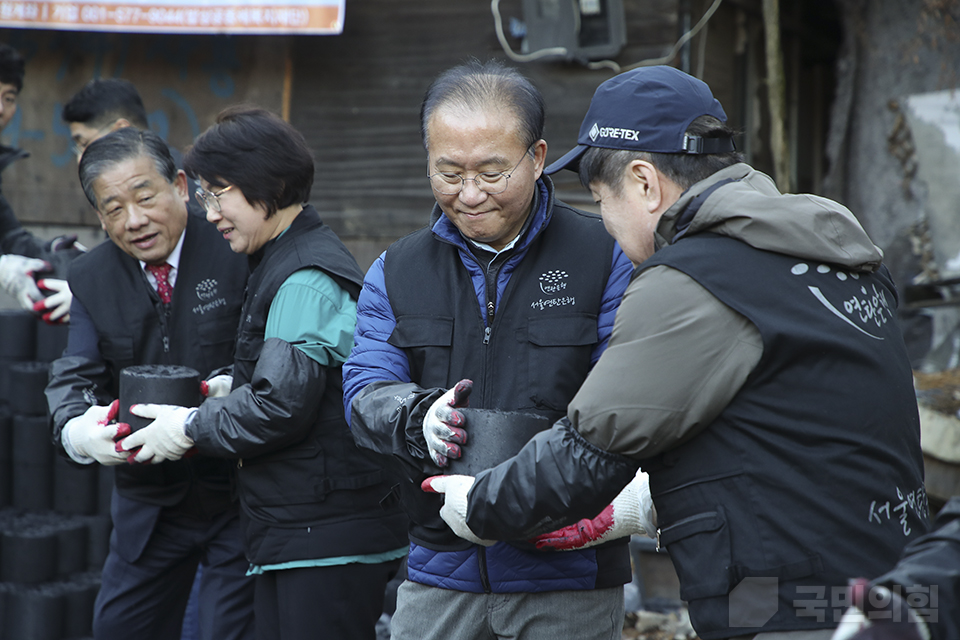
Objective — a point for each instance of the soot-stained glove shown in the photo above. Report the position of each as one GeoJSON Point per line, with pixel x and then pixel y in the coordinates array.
{"type": "Point", "coordinates": [16, 278]}
{"type": "Point", "coordinates": [65, 243]}
{"type": "Point", "coordinates": [454, 510]}
{"type": "Point", "coordinates": [877, 613]}
{"type": "Point", "coordinates": [91, 436]}
{"type": "Point", "coordinates": [55, 308]}
{"type": "Point", "coordinates": [631, 512]}
{"type": "Point", "coordinates": [217, 386]}
{"type": "Point", "coordinates": [161, 440]}
{"type": "Point", "coordinates": [442, 424]}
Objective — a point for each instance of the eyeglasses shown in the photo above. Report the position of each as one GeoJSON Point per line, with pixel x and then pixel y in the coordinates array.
{"type": "Point", "coordinates": [211, 200]}
{"type": "Point", "coordinates": [490, 182]}
{"type": "Point", "coordinates": [78, 147]}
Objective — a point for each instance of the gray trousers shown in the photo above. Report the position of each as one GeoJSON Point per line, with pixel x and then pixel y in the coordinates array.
{"type": "Point", "coordinates": [430, 613]}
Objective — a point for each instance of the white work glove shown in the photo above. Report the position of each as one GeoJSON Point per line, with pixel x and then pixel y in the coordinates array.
{"type": "Point", "coordinates": [90, 437]}
{"type": "Point", "coordinates": [55, 308]}
{"type": "Point", "coordinates": [16, 278]}
{"type": "Point", "coordinates": [441, 425]}
{"type": "Point", "coordinates": [879, 613]}
{"type": "Point", "coordinates": [454, 510]}
{"type": "Point", "coordinates": [632, 511]}
{"type": "Point", "coordinates": [217, 386]}
{"type": "Point", "coordinates": [161, 440]}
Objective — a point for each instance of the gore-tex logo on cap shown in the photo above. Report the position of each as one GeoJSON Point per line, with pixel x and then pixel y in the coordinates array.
{"type": "Point", "coordinates": [614, 132]}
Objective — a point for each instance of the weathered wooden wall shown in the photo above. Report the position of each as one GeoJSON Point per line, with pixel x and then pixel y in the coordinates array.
{"type": "Point", "coordinates": [356, 97]}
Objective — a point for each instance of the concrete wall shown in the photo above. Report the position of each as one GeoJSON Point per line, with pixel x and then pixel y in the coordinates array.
{"type": "Point", "coordinates": [893, 50]}
{"type": "Point", "coordinates": [184, 82]}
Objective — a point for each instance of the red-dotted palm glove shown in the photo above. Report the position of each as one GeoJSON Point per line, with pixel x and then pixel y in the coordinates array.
{"type": "Point", "coordinates": [442, 424]}
{"type": "Point", "coordinates": [161, 440]}
{"type": "Point", "coordinates": [55, 308]}
{"type": "Point", "coordinates": [879, 614]}
{"type": "Point", "coordinates": [630, 512]}
{"type": "Point", "coordinates": [90, 436]}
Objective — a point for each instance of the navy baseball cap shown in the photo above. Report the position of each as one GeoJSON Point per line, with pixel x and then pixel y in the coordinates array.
{"type": "Point", "coordinates": [647, 109]}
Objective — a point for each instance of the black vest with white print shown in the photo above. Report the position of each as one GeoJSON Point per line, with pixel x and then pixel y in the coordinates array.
{"type": "Point", "coordinates": [813, 473]}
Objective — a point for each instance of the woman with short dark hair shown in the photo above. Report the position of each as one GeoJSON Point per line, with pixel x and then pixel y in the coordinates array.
{"type": "Point", "coordinates": [320, 544]}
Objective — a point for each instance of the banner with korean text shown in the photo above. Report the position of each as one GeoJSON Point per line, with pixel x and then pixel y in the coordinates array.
{"type": "Point", "coordinates": [316, 17]}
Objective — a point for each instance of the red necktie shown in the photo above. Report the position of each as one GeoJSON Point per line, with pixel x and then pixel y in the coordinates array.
{"type": "Point", "coordinates": [162, 273]}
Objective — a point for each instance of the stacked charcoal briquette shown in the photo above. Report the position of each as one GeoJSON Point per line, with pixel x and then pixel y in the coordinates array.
{"type": "Point", "coordinates": [54, 515]}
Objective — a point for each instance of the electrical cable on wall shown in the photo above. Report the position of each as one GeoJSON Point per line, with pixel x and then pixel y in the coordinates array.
{"type": "Point", "coordinates": [513, 55]}
{"type": "Point", "coordinates": [608, 64]}
{"type": "Point", "coordinates": [702, 52]}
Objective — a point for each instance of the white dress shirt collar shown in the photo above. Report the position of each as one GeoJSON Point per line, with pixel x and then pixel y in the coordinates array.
{"type": "Point", "coordinates": [173, 260]}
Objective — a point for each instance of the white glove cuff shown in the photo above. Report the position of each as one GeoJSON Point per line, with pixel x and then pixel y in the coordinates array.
{"type": "Point", "coordinates": [72, 451]}
{"type": "Point", "coordinates": [633, 510]}
{"type": "Point", "coordinates": [454, 513]}
{"type": "Point", "coordinates": [180, 431]}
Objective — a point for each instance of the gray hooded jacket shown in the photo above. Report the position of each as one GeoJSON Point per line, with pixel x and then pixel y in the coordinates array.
{"type": "Point", "coordinates": [697, 351]}
{"type": "Point", "coordinates": [677, 357]}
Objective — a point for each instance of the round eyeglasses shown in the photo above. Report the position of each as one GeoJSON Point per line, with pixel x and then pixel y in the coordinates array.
{"type": "Point", "coordinates": [490, 182]}
{"type": "Point", "coordinates": [211, 200]}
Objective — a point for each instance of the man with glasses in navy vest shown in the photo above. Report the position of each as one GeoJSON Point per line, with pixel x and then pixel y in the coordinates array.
{"type": "Point", "coordinates": [507, 300]}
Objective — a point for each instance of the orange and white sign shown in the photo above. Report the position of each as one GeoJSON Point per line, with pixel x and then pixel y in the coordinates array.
{"type": "Point", "coordinates": [317, 17]}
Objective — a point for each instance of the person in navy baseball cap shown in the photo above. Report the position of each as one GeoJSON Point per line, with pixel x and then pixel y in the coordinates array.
{"type": "Point", "coordinates": [647, 109]}
{"type": "Point", "coordinates": [756, 372]}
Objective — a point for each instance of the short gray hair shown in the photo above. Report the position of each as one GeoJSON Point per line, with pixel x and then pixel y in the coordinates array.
{"type": "Point", "coordinates": [479, 85]}
{"type": "Point", "coordinates": [118, 146]}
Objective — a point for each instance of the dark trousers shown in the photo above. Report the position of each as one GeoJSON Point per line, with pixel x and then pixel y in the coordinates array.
{"type": "Point", "coordinates": [145, 598]}
{"type": "Point", "coordinates": [315, 603]}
